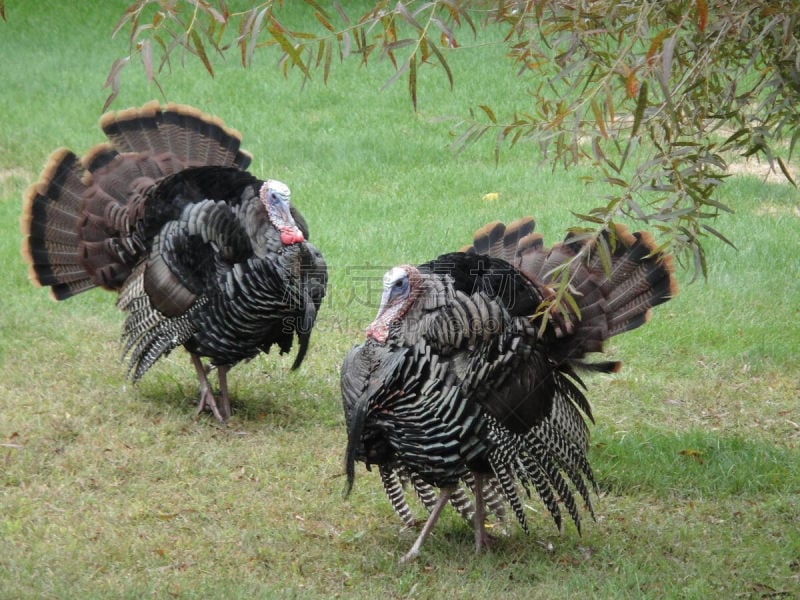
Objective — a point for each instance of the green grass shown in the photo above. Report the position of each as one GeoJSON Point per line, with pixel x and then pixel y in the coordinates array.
{"type": "Point", "coordinates": [109, 490]}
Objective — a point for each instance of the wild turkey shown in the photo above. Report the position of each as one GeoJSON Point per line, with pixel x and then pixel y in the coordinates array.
{"type": "Point", "coordinates": [202, 253]}
{"type": "Point", "coordinates": [469, 377]}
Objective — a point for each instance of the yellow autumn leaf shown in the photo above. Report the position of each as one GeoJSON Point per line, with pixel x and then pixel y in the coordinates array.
{"type": "Point", "coordinates": [491, 196]}
{"type": "Point", "coordinates": [697, 455]}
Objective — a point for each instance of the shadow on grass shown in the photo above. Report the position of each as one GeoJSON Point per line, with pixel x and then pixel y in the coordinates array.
{"type": "Point", "coordinates": [253, 399]}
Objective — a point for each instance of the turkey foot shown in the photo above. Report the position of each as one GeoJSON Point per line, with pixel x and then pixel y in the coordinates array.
{"type": "Point", "coordinates": [221, 410]}
{"type": "Point", "coordinates": [444, 496]}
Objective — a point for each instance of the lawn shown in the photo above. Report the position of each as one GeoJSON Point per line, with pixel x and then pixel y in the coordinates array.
{"type": "Point", "coordinates": [109, 490]}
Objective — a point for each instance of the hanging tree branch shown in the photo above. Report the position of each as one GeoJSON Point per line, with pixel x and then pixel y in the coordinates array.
{"type": "Point", "coordinates": [655, 95]}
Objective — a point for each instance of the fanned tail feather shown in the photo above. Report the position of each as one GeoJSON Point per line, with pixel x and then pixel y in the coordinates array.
{"type": "Point", "coordinates": [615, 279]}
{"type": "Point", "coordinates": [78, 220]}
{"type": "Point", "coordinates": [51, 217]}
{"type": "Point", "coordinates": [195, 138]}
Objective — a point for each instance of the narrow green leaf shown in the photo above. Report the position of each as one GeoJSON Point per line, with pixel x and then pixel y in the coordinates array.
{"type": "Point", "coordinates": [641, 105]}
{"type": "Point", "coordinates": [112, 80]}
{"type": "Point", "coordinates": [401, 10]}
{"type": "Point", "coordinates": [572, 303]}
{"type": "Point", "coordinates": [328, 59]}
{"type": "Point", "coordinates": [423, 49]}
{"type": "Point", "coordinates": [397, 74]}
{"type": "Point", "coordinates": [700, 266]}
{"type": "Point", "coordinates": [588, 79]}
{"type": "Point", "coordinates": [668, 46]}
{"type": "Point", "coordinates": [735, 136]}
{"type": "Point", "coordinates": [361, 38]}
{"type": "Point", "coordinates": [589, 218]}
{"type": "Point", "coordinates": [718, 234]}
{"type": "Point", "coordinates": [325, 22]}
{"type": "Point", "coordinates": [318, 10]}
{"type": "Point", "coordinates": [717, 204]}
{"type": "Point", "coordinates": [276, 30]}
{"type": "Point", "coordinates": [147, 59]}
{"type": "Point", "coordinates": [636, 209]}
{"type": "Point", "coordinates": [442, 61]}
{"type": "Point", "coordinates": [488, 111]}
{"type": "Point", "coordinates": [412, 80]}
{"type": "Point", "coordinates": [342, 14]}
{"type": "Point", "coordinates": [245, 25]}
{"type": "Point", "coordinates": [320, 52]}
{"type": "Point", "coordinates": [795, 137]}
{"type": "Point", "coordinates": [131, 14]}
{"type": "Point", "coordinates": [598, 118]}
{"type": "Point", "coordinates": [597, 151]}
{"type": "Point", "coordinates": [497, 145]}
{"type": "Point", "coordinates": [201, 51]}
{"type": "Point", "coordinates": [347, 44]}
{"type": "Point", "coordinates": [785, 171]}
{"type": "Point", "coordinates": [207, 8]}
{"type": "Point", "coordinates": [396, 45]}
{"type": "Point", "coordinates": [655, 44]}
{"type": "Point", "coordinates": [443, 28]}
{"type": "Point", "coordinates": [253, 32]}
{"type": "Point", "coordinates": [604, 252]}
{"type": "Point", "coordinates": [616, 181]}
{"type": "Point", "coordinates": [638, 115]}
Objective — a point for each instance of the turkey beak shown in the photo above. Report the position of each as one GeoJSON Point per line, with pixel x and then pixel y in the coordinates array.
{"type": "Point", "coordinates": [290, 234]}
{"type": "Point", "coordinates": [379, 328]}
{"type": "Point", "coordinates": [396, 290]}
{"type": "Point", "coordinates": [275, 197]}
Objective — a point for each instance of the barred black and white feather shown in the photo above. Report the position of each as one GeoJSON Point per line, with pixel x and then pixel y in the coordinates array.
{"type": "Point", "coordinates": [203, 254]}
{"type": "Point", "coordinates": [469, 380]}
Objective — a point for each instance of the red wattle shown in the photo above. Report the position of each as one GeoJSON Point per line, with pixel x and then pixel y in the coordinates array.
{"type": "Point", "coordinates": [291, 236]}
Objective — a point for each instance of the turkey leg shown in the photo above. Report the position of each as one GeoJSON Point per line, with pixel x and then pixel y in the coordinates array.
{"type": "Point", "coordinates": [444, 496]}
{"type": "Point", "coordinates": [207, 399]}
{"type": "Point", "coordinates": [482, 538]}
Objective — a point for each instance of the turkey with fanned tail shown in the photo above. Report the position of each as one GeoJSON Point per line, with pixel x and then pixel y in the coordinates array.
{"type": "Point", "coordinates": [469, 379]}
{"type": "Point", "coordinates": [202, 253]}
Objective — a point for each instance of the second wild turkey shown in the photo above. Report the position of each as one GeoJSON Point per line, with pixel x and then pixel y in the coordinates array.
{"type": "Point", "coordinates": [463, 385]}
{"type": "Point", "coordinates": [202, 253]}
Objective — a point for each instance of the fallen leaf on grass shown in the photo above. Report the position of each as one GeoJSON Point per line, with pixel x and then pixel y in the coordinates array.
{"type": "Point", "coordinates": [697, 455]}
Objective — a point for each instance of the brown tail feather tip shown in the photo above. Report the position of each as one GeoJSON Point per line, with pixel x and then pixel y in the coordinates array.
{"type": "Point", "coordinates": [27, 212]}
{"type": "Point", "coordinates": [148, 110]}
{"type": "Point", "coordinates": [646, 239]}
{"type": "Point", "coordinates": [97, 157]}
{"type": "Point", "coordinates": [110, 119]}
{"type": "Point", "coordinates": [485, 237]}
{"type": "Point", "coordinates": [668, 264]}
{"type": "Point", "coordinates": [533, 239]}
{"type": "Point", "coordinates": [35, 190]}
{"type": "Point", "coordinates": [54, 161]}
{"type": "Point", "coordinates": [191, 112]}
{"type": "Point", "coordinates": [33, 276]}
{"type": "Point", "coordinates": [152, 109]}
{"type": "Point", "coordinates": [664, 260]}
{"type": "Point", "coordinates": [520, 228]}
{"type": "Point", "coordinates": [624, 235]}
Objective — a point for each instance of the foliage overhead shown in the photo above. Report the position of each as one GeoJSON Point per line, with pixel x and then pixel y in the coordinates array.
{"type": "Point", "coordinates": [652, 94]}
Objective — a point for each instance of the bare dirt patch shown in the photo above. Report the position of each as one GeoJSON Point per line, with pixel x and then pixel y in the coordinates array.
{"type": "Point", "coordinates": [762, 169]}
